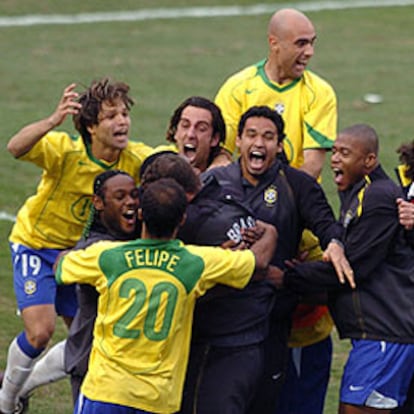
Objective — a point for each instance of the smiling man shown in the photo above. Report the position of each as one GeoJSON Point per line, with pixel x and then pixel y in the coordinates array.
{"type": "Point", "coordinates": [306, 102]}
{"type": "Point", "coordinates": [52, 220]}
{"type": "Point", "coordinates": [246, 343]}
{"type": "Point", "coordinates": [377, 315]}
{"type": "Point", "coordinates": [197, 129]}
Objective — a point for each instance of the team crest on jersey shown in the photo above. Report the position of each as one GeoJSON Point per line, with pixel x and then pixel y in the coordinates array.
{"type": "Point", "coordinates": [270, 195]}
{"type": "Point", "coordinates": [30, 287]}
{"type": "Point", "coordinates": [280, 108]}
{"type": "Point", "coordinates": [81, 208]}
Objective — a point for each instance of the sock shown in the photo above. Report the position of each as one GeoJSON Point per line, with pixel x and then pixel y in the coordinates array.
{"type": "Point", "coordinates": [20, 360]}
{"type": "Point", "coordinates": [49, 368]}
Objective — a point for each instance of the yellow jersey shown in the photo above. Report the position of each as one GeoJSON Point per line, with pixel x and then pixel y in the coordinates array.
{"type": "Point", "coordinates": [147, 291]}
{"type": "Point", "coordinates": [55, 215]}
{"type": "Point", "coordinates": [307, 105]}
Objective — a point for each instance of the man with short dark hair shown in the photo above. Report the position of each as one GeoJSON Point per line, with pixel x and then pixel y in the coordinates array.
{"type": "Point", "coordinates": [147, 290]}
{"type": "Point", "coordinates": [240, 337]}
{"type": "Point", "coordinates": [377, 315]}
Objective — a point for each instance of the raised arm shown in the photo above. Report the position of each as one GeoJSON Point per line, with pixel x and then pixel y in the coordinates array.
{"type": "Point", "coordinates": [29, 135]}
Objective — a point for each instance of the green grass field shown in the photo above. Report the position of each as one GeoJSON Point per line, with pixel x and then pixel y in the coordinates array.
{"type": "Point", "coordinates": [166, 60]}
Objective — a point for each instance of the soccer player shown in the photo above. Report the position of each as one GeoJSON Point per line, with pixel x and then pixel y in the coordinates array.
{"type": "Point", "coordinates": [197, 129]}
{"type": "Point", "coordinates": [52, 220]}
{"type": "Point", "coordinates": [308, 106]}
{"type": "Point", "coordinates": [377, 315]}
{"type": "Point", "coordinates": [147, 291]}
{"type": "Point", "coordinates": [113, 217]}
{"type": "Point", "coordinates": [306, 102]}
{"type": "Point", "coordinates": [234, 331]}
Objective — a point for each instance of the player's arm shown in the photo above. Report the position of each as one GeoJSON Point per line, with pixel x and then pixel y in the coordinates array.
{"type": "Point", "coordinates": [222, 159]}
{"type": "Point", "coordinates": [313, 161]}
{"type": "Point", "coordinates": [24, 140]}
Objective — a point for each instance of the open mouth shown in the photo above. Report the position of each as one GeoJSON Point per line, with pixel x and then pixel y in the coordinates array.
{"type": "Point", "coordinates": [121, 133]}
{"type": "Point", "coordinates": [190, 151]}
{"type": "Point", "coordinates": [338, 175]}
{"type": "Point", "coordinates": [130, 215]}
{"type": "Point", "coordinates": [257, 159]}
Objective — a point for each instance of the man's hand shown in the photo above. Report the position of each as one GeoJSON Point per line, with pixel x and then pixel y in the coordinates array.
{"type": "Point", "coordinates": [68, 105]}
{"type": "Point", "coordinates": [222, 159]}
{"type": "Point", "coordinates": [335, 254]}
{"type": "Point", "coordinates": [275, 276]}
{"type": "Point", "coordinates": [406, 213]}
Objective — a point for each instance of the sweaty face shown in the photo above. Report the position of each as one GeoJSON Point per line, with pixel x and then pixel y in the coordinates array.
{"type": "Point", "coordinates": [113, 126]}
{"type": "Point", "coordinates": [119, 206]}
{"type": "Point", "coordinates": [194, 136]}
{"type": "Point", "coordinates": [295, 48]}
{"type": "Point", "coordinates": [348, 161]}
{"type": "Point", "coordinates": [258, 147]}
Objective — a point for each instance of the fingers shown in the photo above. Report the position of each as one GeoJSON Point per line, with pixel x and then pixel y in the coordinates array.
{"type": "Point", "coordinates": [406, 213]}
{"type": "Point", "coordinates": [68, 105]}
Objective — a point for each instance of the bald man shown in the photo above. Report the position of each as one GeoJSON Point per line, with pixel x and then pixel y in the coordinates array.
{"type": "Point", "coordinates": [308, 106]}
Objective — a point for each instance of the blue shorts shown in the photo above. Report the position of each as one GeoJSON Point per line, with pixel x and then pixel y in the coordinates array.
{"type": "Point", "coordinates": [86, 406]}
{"type": "Point", "coordinates": [34, 280]}
{"type": "Point", "coordinates": [377, 374]}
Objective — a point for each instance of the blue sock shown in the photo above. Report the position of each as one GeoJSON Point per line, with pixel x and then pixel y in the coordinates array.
{"type": "Point", "coordinates": [25, 346]}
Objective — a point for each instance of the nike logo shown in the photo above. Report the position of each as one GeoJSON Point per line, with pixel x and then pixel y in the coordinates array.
{"type": "Point", "coordinates": [249, 91]}
{"type": "Point", "coordinates": [355, 388]}
{"type": "Point", "coordinates": [82, 163]}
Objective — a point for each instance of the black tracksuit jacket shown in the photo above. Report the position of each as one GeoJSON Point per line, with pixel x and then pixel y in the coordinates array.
{"type": "Point", "coordinates": [382, 305]}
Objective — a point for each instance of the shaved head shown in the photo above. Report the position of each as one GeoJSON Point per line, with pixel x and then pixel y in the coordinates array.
{"type": "Point", "coordinates": [365, 135]}
{"type": "Point", "coordinates": [291, 36]}
{"type": "Point", "coordinates": [284, 20]}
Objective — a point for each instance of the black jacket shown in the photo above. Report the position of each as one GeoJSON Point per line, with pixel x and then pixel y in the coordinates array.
{"type": "Point", "coordinates": [382, 305]}
{"type": "Point", "coordinates": [285, 197]}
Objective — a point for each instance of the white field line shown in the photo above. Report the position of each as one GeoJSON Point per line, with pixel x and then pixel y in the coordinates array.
{"type": "Point", "coordinates": [177, 13]}
{"type": "Point", "coordinates": [192, 12]}
{"type": "Point", "coordinates": [6, 216]}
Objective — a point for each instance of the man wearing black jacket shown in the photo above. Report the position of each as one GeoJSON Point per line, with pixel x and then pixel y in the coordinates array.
{"type": "Point", "coordinates": [240, 338]}
{"type": "Point", "coordinates": [378, 314]}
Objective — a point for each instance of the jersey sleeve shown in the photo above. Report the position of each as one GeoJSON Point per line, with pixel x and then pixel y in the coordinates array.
{"type": "Point", "coordinates": [81, 266]}
{"type": "Point", "coordinates": [232, 268]}
{"type": "Point", "coordinates": [320, 121]}
{"type": "Point", "coordinates": [229, 101]}
{"type": "Point", "coordinates": [47, 152]}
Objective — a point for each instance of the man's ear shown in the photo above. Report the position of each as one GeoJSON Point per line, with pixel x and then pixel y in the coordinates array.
{"type": "Point", "coordinates": [238, 141]}
{"type": "Point", "coordinates": [139, 214]}
{"type": "Point", "coordinates": [272, 40]}
{"type": "Point", "coordinates": [215, 139]}
{"type": "Point", "coordinates": [279, 147]}
{"type": "Point", "coordinates": [183, 219]}
{"type": "Point", "coordinates": [370, 161]}
{"type": "Point", "coordinates": [91, 129]}
{"type": "Point", "coordinates": [98, 203]}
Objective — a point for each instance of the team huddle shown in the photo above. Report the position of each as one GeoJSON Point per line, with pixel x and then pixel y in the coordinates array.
{"type": "Point", "coordinates": [204, 276]}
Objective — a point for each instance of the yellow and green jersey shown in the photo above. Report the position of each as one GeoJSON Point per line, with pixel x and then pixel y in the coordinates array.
{"type": "Point", "coordinates": [307, 105]}
{"type": "Point", "coordinates": [55, 215]}
{"type": "Point", "coordinates": [147, 290]}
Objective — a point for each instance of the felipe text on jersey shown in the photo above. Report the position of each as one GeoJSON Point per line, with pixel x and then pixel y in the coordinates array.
{"type": "Point", "coordinates": [151, 258]}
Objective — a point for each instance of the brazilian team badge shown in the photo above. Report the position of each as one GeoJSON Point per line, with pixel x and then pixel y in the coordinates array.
{"type": "Point", "coordinates": [280, 108]}
{"type": "Point", "coordinates": [30, 287]}
{"type": "Point", "coordinates": [270, 195]}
